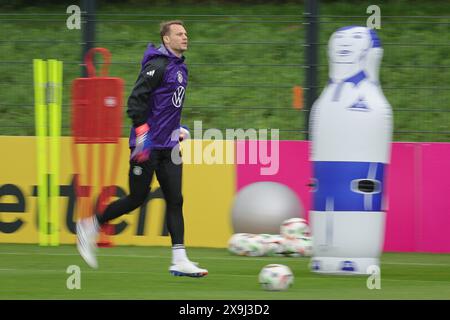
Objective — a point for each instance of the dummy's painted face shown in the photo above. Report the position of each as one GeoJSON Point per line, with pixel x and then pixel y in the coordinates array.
{"type": "Point", "coordinates": [349, 45]}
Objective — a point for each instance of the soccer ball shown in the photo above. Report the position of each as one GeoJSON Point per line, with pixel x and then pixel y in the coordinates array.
{"type": "Point", "coordinates": [294, 228]}
{"type": "Point", "coordinates": [185, 134]}
{"type": "Point", "coordinates": [274, 244]}
{"type": "Point", "coordinates": [298, 247]}
{"type": "Point", "coordinates": [255, 246]}
{"type": "Point", "coordinates": [307, 244]}
{"type": "Point", "coordinates": [247, 244]}
{"type": "Point", "coordinates": [238, 243]}
{"type": "Point", "coordinates": [276, 277]}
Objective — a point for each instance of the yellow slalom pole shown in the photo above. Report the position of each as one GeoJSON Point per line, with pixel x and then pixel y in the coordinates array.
{"type": "Point", "coordinates": [58, 125]}
{"type": "Point", "coordinates": [54, 107]}
{"type": "Point", "coordinates": [40, 83]}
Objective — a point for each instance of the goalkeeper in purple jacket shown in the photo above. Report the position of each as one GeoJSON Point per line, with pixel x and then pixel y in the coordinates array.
{"type": "Point", "coordinates": [154, 107]}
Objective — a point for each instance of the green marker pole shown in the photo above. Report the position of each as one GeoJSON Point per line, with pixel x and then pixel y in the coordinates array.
{"type": "Point", "coordinates": [40, 83]}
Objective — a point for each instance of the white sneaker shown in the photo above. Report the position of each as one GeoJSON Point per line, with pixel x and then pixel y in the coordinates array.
{"type": "Point", "coordinates": [86, 241]}
{"type": "Point", "coordinates": [194, 263]}
{"type": "Point", "coordinates": [187, 268]}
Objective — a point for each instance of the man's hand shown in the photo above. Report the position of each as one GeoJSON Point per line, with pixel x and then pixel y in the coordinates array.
{"type": "Point", "coordinates": [141, 152]}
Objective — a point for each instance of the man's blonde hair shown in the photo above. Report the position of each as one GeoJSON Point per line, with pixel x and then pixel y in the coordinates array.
{"type": "Point", "coordinates": [164, 27]}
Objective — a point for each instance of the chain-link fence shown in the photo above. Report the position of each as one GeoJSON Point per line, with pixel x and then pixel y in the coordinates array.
{"type": "Point", "coordinates": [242, 69]}
{"type": "Point", "coordinates": [246, 65]}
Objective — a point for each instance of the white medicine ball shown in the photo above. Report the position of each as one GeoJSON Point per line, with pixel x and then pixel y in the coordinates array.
{"type": "Point", "coordinates": [262, 207]}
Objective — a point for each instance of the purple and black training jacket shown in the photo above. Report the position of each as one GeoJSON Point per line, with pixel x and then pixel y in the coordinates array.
{"type": "Point", "coordinates": [158, 95]}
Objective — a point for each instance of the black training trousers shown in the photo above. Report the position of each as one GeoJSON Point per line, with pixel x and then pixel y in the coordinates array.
{"type": "Point", "coordinates": [169, 175]}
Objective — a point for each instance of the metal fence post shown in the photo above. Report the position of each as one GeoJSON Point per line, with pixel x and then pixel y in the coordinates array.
{"type": "Point", "coordinates": [88, 25]}
{"type": "Point", "coordinates": [312, 58]}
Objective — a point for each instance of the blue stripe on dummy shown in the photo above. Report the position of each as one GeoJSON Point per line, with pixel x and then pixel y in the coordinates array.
{"type": "Point", "coordinates": [376, 42]}
{"type": "Point", "coordinates": [333, 190]}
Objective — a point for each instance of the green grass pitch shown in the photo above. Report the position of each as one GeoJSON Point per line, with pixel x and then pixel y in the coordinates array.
{"type": "Point", "coordinates": [141, 273]}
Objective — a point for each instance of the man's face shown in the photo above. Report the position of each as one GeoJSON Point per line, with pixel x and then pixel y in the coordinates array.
{"type": "Point", "coordinates": [347, 46]}
{"type": "Point", "coordinates": [177, 39]}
